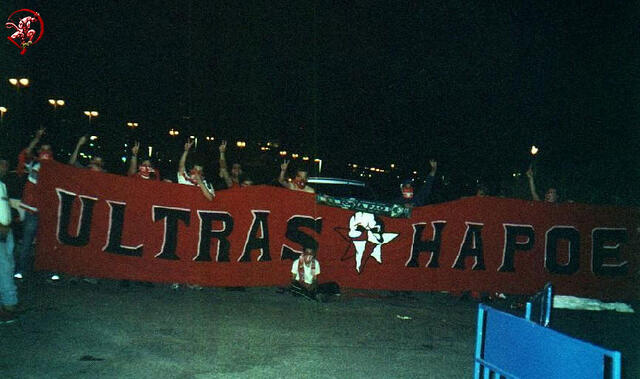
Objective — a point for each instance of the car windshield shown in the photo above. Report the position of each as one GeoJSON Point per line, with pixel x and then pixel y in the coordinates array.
{"type": "Point", "coordinates": [342, 188]}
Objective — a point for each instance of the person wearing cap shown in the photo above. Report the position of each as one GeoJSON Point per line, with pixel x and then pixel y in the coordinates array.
{"type": "Point", "coordinates": [410, 198]}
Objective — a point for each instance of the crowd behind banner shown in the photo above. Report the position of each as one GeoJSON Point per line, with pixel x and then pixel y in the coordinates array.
{"type": "Point", "coordinates": [102, 225]}
{"type": "Point", "coordinates": [175, 227]}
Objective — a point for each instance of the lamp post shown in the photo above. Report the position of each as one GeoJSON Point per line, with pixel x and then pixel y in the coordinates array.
{"type": "Point", "coordinates": [56, 103]}
{"type": "Point", "coordinates": [91, 115]}
{"type": "Point", "coordinates": [132, 125]}
{"type": "Point", "coordinates": [174, 132]}
{"type": "Point", "coordinates": [18, 83]}
{"type": "Point", "coordinates": [3, 110]}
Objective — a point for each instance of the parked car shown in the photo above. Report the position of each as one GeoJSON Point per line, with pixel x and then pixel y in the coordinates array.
{"type": "Point", "coordinates": [342, 188]}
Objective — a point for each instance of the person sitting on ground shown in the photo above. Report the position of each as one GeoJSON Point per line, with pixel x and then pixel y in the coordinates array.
{"type": "Point", "coordinates": [145, 170]}
{"type": "Point", "coordinates": [304, 274]}
{"type": "Point", "coordinates": [299, 183]}
{"type": "Point", "coordinates": [8, 291]}
{"type": "Point", "coordinates": [194, 177]}
{"type": "Point", "coordinates": [410, 199]}
{"type": "Point", "coordinates": [237, 177]}
{"type": "Point", "coordinates": [551, 196]}
{"type": "Point", "coordinates": [96, 163]}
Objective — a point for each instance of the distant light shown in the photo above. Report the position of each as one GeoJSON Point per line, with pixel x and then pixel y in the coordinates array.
{"type": "Point", "coordinates": [24, 82]}
{"type": "Point", "coordinates": [94, 113]}
{"type": "Point", "coordinates": [192, 137]}
{"type": "Point", "coordinates": [355, 165]}
{"type": "Point", "coordinates": [93, 138]}
{"type": "Point", "coordinates": [91, 144]}
{"type": "Point", "coordinates": [52, 102]}
{"type": "Point", "coordinates": [87, 113]}
{"type": "Point", "coordinates": [13, 81]}
{"type": "Point", "coordinates": [393, 165]}
{"type": "Point", "coordinates": [124, 159]}
{"type": "Point", "coordinates": [372, 169]}
{"type": "Point", "coordinates": [305, 158]}
{"type": "Point", "coordinates": [534, 150]}
{"type": "Point", "coordinates": [150, 151]}
{"type": "Point", "coordinates": [283, 153]}
{"type": "Point", "coordinates": [3, 109]}
{"type": "Point", "coordinates": [132, 125]}
{"type": "Point", "coordinates": [241, 144]}
{"type": "Point", "coordinates": [415, 173]}
{"type": "Point", "coordinates": [294, 155]}
{"type": "Point", "coordinates": [317, 160]}
{"type": "Point", "coordinates": [60, 102]}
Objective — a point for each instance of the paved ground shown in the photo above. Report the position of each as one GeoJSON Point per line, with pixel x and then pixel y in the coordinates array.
{"type": "Point", "coordinates": [104, 331]}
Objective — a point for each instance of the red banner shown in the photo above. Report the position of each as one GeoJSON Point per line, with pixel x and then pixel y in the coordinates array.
{"type": "Point", "coordinates": [103, 225]}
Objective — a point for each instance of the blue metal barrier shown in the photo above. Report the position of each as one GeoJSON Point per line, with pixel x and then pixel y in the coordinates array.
{"type": "Point", "coordinates": [545, 299]}
{"type": "Point", "coordinates": [513, 347]}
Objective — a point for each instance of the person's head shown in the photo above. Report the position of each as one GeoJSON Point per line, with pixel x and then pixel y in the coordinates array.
{"type": "Point", "coordinates": [406, 187]}
{"type": "Point", "coordinates": [236, 170]}
{"type": "Point", "coordinates": [196, 170]}
{"type": "Point", "coordinates": [146, 168]}
{"type": "Point", "coordinates": [308, 255]}
{"type": "Point", "coordinates": [301, 178]}
{"type": "Point", "coordinates": [96, 164]}
{"type": "Point", "coordinates": [4, 167]}
{"type": "Point", "coordinates": [551, 196]}
{"type": "Point", "coordinates": [45, 152]}
{"type": "Point", "coordinates": [482, 190]}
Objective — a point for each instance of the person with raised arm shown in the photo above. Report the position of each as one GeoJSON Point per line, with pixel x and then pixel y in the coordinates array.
{"type": "Point", "coordinates": [299, 183]}
{"type": "Point", "coordinates": [194, 177]}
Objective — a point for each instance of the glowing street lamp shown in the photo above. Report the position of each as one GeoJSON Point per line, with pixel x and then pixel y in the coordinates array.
{"type": "Point", "coordinates": [283, 153]}
{"type": "Point", "coordinates": [3, 110]}
{"type": "Point", "coordinates": [209, 138]}
{"type": "Point", "coordinates": [22, 82]}
{"type": "Point", "coordinates": [294, 155]}
{"type": "Point", "coordinates": [305, 158]}
{"type": "Point", "coordinates": [132, 125]}
{"type": "Point", "coordinates": [56, 103]}
{"type": "Point", "coordinates": [91, 115]}
{"type": "Point", "coordinates": [534, 150]}
{"type": "Point", "coordinates": [173, 132]}
{"type": "Point", "coordinates": [241, 144]}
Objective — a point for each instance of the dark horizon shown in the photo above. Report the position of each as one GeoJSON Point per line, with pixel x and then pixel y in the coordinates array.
{"type": "Point", "coordinates": [471, 85]}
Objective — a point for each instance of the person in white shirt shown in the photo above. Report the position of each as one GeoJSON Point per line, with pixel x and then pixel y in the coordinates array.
{"type": "Point", "coordinates": [194, 177]}
{"type": "Point", "coordinates": [304, 274]}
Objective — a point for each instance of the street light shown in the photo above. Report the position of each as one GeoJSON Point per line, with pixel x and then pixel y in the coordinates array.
{"type": "Point", "coordinates": [56, 103]}
{"type": "Point", "coordinates": [173, 132]}
{"type": "Point", "coordinates": [132, 125]}
{"type": "Point", "coordinates": [241, 144]}
{"type": "Point", "coordinates": [3, 110]}
{"type": "Point", "coordinates": [91, 114]}
{"type": "Point", "coordinates": [22, 82]}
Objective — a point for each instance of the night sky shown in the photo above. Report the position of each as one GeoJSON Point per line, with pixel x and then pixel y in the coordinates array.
{"type": "Point", "coordinates": [473, 84]}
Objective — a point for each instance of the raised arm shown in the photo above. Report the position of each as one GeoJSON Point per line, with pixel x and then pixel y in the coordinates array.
{"type": "Point", "coordinates": [532, 185]}
{"type": "Point", "coordinates": [133, 165]}
{"type": "Point", "coordinates": [283, 170]}
{"type": "Point", "coordinates": [422, 196]}
{"type": "Point", "coordinates": [183, 158]}
{"type": "Point", "coordinates": [74, 156]}
{"type": "Point", "coordinates": [224, 172]}
{"type": "Point", "coordinates": [34, 141]}
{"type": "Point", "coordinates": [203, 188]}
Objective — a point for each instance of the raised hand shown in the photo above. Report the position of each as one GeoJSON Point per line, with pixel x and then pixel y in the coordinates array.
{"type": "Point", "coordinates": [135, 149]}
{"type": "Point", "coordinates": [40, 133]}
{"type": "Point", "coordinates": [223, 147]}
{"type": "Point", "coordinates": [284, 165]}
{"type": "Point", "coordinates": [188, 145]}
